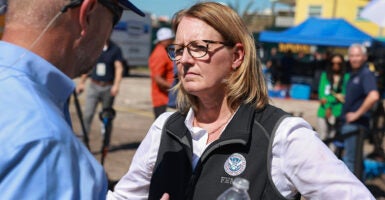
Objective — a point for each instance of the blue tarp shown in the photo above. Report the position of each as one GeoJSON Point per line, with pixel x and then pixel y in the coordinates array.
{"type": "Point", "coordinates": [321, 32]}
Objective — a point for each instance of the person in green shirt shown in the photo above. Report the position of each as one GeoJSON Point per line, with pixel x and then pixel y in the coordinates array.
{"type": "Point", "coordinates": [331, 92]}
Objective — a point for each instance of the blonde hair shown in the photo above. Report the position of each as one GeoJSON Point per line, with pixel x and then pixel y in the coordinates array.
{"type": "Point", "coordinates": [246, 84]}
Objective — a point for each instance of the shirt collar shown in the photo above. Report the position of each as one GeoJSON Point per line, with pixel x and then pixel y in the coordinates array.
{"type": "Point", "coordinates": [39, 70]}
{"type": "Point", "coordinates": [197, 133]}
{"type": "Point", "coordinates": [365, 65]}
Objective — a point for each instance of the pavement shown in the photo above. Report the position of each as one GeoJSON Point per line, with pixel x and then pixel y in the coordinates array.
{"type": "Point", "coordinates": [134, 117]}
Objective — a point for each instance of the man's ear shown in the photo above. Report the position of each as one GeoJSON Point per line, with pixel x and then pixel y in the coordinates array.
{"type": "Point", "coordinates": [238, 55]}
{"type": "Point", "coordinates": [85, 11]}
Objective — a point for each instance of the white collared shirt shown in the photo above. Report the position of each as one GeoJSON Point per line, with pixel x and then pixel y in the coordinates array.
{"type": "Point", "coordinates": [300, 162]}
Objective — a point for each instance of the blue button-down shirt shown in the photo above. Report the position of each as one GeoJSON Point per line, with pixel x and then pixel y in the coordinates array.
{"type": "Point", "coordinates": [40, 157]}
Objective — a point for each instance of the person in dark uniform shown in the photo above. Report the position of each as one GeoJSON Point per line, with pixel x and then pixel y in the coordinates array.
{"type": "Point", "coordinates": [361, 95]}
{"type": "Point", "coordinates": [105, 77]}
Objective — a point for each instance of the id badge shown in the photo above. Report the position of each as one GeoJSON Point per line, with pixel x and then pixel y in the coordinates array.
{"type": "Point", "coordinates": [327, 90]}
{"type": "Point", "coordinates": [101, 69]}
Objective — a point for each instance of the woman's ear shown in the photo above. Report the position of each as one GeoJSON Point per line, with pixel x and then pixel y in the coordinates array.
{"type": "Point", "coordinates": [85, 11]}
{"type": "Point", "coordinates": [238, 55]}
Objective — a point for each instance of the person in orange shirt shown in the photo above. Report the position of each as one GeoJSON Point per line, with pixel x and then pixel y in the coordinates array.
{"type": "Point", "coordinates": [161, 68]}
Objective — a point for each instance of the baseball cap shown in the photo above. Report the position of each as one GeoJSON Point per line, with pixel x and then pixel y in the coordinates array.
{"type": "Point", "coordinates": [123, 4]}
{"type": "Point", "coordinates": [164, 34]}
{"type": "Point", "coordinates": [127, 5]}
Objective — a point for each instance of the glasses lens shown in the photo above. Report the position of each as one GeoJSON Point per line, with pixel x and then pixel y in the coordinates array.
{"type": "Point", "coordinates": [197, 49]}
{"type": "Point", "coordinates": [172, 53]}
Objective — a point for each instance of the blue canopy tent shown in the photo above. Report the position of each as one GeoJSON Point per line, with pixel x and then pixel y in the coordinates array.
{"type": "Point", "coordinates": [321, 32]}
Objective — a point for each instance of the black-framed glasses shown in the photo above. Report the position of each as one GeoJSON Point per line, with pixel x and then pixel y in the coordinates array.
{"type": "Point", "coordinates": [114, 8]}
{"type": "Point", "coordinates": [196, 49]}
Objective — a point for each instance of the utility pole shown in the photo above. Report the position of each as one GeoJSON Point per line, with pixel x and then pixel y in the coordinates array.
{"type": "Point", "coordinates": [334, 9]}
{"type": "Point", "coordinates": [273, 4]}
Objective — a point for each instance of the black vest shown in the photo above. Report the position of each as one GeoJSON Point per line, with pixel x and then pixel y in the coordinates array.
{"type": "Point", "coordinates": [243, 150]}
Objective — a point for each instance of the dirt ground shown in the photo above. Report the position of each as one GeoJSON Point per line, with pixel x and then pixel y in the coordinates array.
{"type": "Point", "coordinates": [134, 117]}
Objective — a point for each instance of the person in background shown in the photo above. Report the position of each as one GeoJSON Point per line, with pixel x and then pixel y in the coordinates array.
{"type": "Point", "coordinates": [44, 45]}
{"type": "Point", "coordinates": [225, 127]}
{"type": "Point", "coordinates": [273, 65]}
{"type": "Point", "coordinates": [287, 65]}
{"type": "Point", "coordinates": [173, 93]}
{"type": "Point", "coordinates": [161, 71]}
{"type": "Point", "coordinates": [318, 62]}
{"type": "Point", "coordinates": [106, 76]}
{"type": "Point", "coordinates": [361, 95]}
{"type": "Point", "coordinates": [331, 94]}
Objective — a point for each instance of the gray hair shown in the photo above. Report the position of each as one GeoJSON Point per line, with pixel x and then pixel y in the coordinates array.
{"type": "Point", "coordinates": [359, 46]}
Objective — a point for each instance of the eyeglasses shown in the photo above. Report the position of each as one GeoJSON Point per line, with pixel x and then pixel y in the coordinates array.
{"type": "Point", "coordinates": [196, 49]}
{"type": "Point", "coordinates": [336, 63]}
{"type": "Point", "coordinates": [114, 8]}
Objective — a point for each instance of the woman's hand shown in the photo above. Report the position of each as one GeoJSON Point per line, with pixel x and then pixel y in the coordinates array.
{"type": "Point", "coordinates": [165, 197]}
{"type": "Point", "coordinates": [328, 113]}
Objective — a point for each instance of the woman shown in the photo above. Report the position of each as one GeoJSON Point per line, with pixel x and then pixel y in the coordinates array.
{"type": "Point", "coordinates": [221, 128]}
{"type": "Point", "coordinates": [331, 92]}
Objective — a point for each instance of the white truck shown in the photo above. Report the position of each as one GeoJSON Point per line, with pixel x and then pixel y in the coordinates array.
{"type": "Point", "coordinates": [134, 36]}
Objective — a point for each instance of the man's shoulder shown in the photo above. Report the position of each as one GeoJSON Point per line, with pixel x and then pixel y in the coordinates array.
{"type": "Point", "coordinates": [32, 115]}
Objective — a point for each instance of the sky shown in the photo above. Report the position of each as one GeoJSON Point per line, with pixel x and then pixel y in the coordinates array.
{"type": "Point", "coordinates": [169, 7]}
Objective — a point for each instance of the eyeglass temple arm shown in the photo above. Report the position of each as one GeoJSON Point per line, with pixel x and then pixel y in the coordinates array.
{"type": "Point", "coordinates": [73, 4]}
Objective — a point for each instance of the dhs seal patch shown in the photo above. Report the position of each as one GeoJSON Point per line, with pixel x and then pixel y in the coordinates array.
{"type": "Point", "coordinates": [235, 164]}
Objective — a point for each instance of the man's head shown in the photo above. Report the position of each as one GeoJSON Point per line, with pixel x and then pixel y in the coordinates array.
{"type": "Point", "coordinates": [68, 34]}
{"type": "Point", "coordinates": [273, 51]}
{"type": "Point", "coordinates": [357, 56]}
{"type": "Point", "coordinates": [164, 35]}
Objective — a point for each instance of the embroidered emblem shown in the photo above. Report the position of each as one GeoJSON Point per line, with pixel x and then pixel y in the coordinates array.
{"type": "Point", "coordinates": [235, 164]}
{"type": "Point", "coordinates": [356, 80]}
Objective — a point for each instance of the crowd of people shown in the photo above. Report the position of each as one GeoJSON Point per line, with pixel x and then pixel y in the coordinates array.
{"type": "Point", "coordinates": [222, 125]}
{"type": "Point", "coordinates": [348, 92]}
